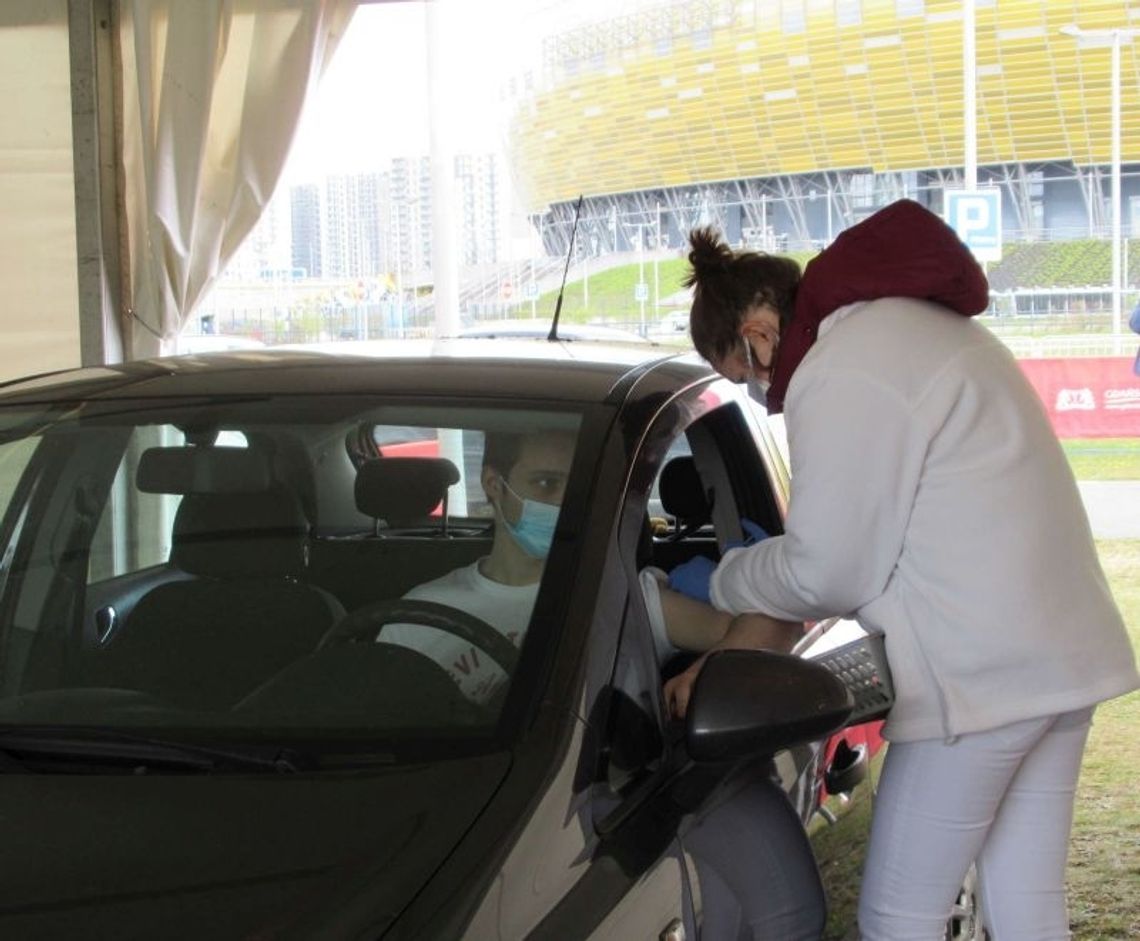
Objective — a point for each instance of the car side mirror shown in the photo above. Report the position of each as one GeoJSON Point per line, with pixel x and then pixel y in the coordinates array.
{"type": "Point", "coordinates": [747, 703]}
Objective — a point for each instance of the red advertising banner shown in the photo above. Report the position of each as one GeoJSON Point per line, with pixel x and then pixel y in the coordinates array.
{"type": "Point", "coordinates": [1088, 396]}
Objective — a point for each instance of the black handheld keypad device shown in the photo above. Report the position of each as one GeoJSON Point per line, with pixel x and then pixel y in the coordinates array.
{"type": "Point", "coordinates": [862, 665]}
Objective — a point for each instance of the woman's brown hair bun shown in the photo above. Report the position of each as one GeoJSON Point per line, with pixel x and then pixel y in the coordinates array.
{"type": "Point", "coordinates": [708, 255]}
{"type": "Point", "coordinates": [726, 284]}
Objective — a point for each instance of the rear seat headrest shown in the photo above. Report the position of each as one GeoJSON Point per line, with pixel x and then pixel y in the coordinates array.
{"type": "Point", "coordinates": [403, 489]}
{"type": "Point", "coordinates": [682, 492]}
{"type": "Point", "coordinates": [202, 470]}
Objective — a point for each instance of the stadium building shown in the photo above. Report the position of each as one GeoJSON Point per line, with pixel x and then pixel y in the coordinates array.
{"type": "Point", "coordinates": [784, 121]}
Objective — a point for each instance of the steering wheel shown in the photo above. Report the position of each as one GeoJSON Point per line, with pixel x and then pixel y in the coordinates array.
{"type": "Point", "coordinates": [366, 622]}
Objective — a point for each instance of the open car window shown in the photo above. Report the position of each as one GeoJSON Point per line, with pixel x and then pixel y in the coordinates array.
{"type": "Point", "coordinates": [691, 482]}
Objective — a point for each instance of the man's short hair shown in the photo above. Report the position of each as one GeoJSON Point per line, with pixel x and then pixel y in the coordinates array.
{"type": "Point", "coordinates": [501, 450]}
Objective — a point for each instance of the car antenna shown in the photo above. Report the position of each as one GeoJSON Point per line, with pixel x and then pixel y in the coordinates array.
{"type": "Point", "coordinates": [553, 335]}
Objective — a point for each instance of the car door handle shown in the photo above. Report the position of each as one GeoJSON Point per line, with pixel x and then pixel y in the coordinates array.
{"type": "Point", "coordinates": [674, 931]}
{"type": "Point", "coordinates": [105, 620]}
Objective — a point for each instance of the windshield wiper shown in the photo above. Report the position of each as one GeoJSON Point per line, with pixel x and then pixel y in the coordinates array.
{"type": "Point", "coordinates": [78, 750]}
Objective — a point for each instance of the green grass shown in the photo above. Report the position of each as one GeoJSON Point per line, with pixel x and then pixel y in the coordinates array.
{"type": "Point", "coordinates": [611, 292]}
{"type": "Point", "coordinates": [1104, 458]}
{"type": "Point", "coordinates": [1104, 857]}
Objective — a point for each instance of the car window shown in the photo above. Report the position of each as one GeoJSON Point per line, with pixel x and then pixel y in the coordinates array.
{"type": "Point", "coordinates": [204, 563]}
{"type": "Point", "coordinates": [704, 475]}
{"type": "Point", "coordinates": [14, 458]}
{"type": "Point", "coordinates": [134, 528]}
{"type": "Point", "coordinates": [659, 526]}
{"type": "Point", "coordinates": [662, 519]}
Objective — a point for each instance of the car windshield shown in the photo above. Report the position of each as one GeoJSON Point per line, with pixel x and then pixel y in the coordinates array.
{"type": "Point", "coordinates": [273, 568]}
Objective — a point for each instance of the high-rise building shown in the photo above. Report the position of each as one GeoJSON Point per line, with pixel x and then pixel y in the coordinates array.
{"type": "Point", "coordinates": [478, 194]}
{"type": "Point", "coordinates": [409, 214]}
{"type": "Point", "coordinates": [305, 206]}
{"type": "Point", "coordinates": [266, 250]}
{"type": "Point", "coordinates": [352, 233]}
{"type": "Point", "coordinates": [366, 225]}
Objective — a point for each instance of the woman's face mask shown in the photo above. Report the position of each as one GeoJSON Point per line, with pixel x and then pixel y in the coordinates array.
{"type": "Point", "coordinates": [534, 531]}
{"type": "Point", "coordinates": [757, 387]}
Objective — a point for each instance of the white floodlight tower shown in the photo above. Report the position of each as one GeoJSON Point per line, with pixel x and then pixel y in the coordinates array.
{"type": "Point", "coordinates": [1114, 38]}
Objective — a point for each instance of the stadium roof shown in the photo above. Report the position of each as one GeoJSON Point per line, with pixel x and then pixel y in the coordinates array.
{"type": "Point", "coordinates": [720, 90]}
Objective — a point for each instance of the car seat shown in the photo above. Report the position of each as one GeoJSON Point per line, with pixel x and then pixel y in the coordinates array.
{"type": "Point", "coordinates": [405, 491]}
{"type": "Point", "coordinates": [245, 615]}
{"type": "Point", "coordinates": [683, 496]}
{"type": "Point", "coordinates": [412, 542]}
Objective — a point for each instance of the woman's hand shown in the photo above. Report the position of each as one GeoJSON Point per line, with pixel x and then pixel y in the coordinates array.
{"type": "Point", "coordinates": [744, 632]}
{"type": "Point", "coordinates": [679, 689]}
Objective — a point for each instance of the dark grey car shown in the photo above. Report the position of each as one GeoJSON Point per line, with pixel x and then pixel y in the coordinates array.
{"type": "Point", "coordinates": [195, 744]}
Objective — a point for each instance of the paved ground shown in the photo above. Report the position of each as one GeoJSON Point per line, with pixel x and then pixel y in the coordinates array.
{"type": "Point", "coordinates": [1113, 507]}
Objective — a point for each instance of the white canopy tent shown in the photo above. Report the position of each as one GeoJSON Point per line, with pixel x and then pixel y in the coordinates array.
{"type": "Point", "coordinates": [140, 141]}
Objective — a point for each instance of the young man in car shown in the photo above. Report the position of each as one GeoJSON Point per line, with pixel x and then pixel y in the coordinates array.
{"type": "Point", "coordinates": [524, 477]}
{"type": "Point", "coordinates": [757, 874]}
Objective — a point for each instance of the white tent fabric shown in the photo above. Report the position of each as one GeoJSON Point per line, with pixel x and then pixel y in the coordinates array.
{"type": "Point", "coordinates": [212, 94]}
{"type": "Point", "coordinates": [40, 312]}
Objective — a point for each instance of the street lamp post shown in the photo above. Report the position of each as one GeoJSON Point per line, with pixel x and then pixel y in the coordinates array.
{"type": "Point", "coordinates": [1114, 38]}
{"type": "Point", "coordinates": [970, 95]}
{"type": "Point", "coordinates": [641, 292]}
{"type": "Point", "coordinates": [656, 273]}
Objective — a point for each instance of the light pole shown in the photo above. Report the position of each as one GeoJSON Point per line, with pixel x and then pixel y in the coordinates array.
{"type": "Point", "coordinates": [1114, 38]}
{"type": "Point", "coordinates": [656, 273]}
{"type": "Point", "coordinates": [641, 292]}
{"type": "Point", "coordinates": [969, 96]}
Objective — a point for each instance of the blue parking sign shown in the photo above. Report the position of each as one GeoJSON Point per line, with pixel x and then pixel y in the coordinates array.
{"type": "Point", "coordinates": [976, 216]}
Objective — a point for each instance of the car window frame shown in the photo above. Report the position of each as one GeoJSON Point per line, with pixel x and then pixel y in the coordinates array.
{"type": "Point", "coordinates": [633, 643]}
{"type": "Point", "coordinates": [727, 444]}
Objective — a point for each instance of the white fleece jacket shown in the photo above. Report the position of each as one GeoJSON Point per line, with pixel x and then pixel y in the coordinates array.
{"type": "Point", "coordinates": [931, 500]}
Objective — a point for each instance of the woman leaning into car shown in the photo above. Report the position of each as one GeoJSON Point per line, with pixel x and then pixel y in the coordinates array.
{"type": "Point", "coordinates": [932, 500]}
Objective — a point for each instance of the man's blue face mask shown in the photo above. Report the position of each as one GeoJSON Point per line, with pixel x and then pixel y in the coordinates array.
{"type": "Point", "coordinates": [534, 532]}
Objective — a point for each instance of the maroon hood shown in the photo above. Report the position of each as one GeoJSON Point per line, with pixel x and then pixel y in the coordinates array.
{"type": "Point", "coordinates": [902, 250]}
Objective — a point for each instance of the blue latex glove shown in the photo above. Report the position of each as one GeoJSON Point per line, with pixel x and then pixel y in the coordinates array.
{"type": "Point", "coordinates": [755, 533]}
{"type": "Point", "coordinates": [692, 578]}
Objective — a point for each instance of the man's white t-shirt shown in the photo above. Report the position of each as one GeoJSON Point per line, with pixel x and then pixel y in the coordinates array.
{"type": "Point", "coordinates": [506, 608]}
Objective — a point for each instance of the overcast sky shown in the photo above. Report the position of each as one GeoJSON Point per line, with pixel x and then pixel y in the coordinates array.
{"type": "Point", "coordinates": [372, 104]}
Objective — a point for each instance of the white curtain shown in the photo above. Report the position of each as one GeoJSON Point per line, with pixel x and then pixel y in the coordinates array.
{"type": "Point", "coordinates": [212, 94]}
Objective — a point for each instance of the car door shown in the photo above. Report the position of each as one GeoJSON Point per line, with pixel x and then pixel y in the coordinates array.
{"type": "Point", "coordinates": [642, 772]}
{"type": "Point", "coordinates": [829, 782]}
{"type": "Point", "coordinates": [736, 465]}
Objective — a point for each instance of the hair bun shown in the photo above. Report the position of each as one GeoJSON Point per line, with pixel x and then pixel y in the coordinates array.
{"type": "Point", "coordinates": [708, 254]}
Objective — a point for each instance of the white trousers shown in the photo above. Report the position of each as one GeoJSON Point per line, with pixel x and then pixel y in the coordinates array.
{"type": "Point", "coordinates": [1002, 798]}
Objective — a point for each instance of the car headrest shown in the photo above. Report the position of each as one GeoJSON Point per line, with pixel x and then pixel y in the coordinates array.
{"type": "Point", "coordinates": [202, 470]}
{"type": "Point", "coordinates": [240, 535]}
{"type": "Point", "coordinates": [682, 492]}
{"type": "Point", "coordinates": [402, 490]}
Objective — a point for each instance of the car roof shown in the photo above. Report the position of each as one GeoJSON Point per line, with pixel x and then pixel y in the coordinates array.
{"type": "Point", "coordinates": [540, 329]}
{"type": "Point", "coordinates": [576, 372]}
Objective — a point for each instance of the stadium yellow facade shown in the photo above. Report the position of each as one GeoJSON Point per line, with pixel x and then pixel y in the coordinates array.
{"type": "Point", "coordinates": [765, 96]}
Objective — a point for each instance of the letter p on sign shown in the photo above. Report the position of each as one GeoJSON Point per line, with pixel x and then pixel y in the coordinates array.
{"type": "Point", "coordinates": [976, 216]}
